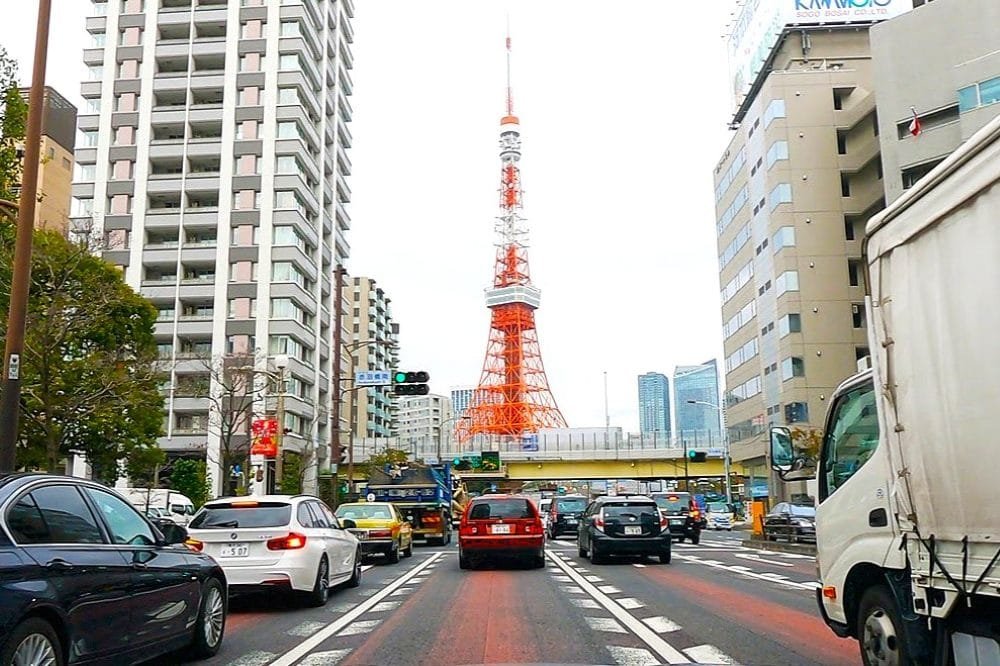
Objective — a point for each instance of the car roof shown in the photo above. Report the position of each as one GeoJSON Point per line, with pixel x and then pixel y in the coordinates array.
{"type": "Point", "coordinates": [291, 499]}
{"type": "Point", "coordinates": [499, 496]}
{"type": "Point", "coordinates": [364, 504]}
{"type": "Point", "coordinates": [604, 499]}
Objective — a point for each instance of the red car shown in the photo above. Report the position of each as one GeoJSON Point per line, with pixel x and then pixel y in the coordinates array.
{"type": "Point", "coordinates": [501, 525]}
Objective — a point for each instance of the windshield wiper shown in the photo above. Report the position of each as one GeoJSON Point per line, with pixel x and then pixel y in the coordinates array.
{"type": "Point", "coordinates": [228, 523]}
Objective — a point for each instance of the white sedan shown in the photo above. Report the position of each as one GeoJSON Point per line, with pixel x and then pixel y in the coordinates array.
{"type": "Point", "coordinates": [278, 542]}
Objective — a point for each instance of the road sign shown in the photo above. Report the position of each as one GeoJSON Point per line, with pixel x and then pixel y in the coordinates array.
{"type": "Point", "coordinates": [372, 378]}
{"type": "Point", "coordinates": [370, 497]}
{"type": "Point", "coordinates": [529, 442]}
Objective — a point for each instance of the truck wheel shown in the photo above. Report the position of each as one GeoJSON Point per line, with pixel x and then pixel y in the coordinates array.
{"type": "Point", "coordinates": [880, 629]}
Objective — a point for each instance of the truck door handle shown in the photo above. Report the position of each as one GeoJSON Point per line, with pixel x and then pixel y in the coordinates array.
{"type": "Point", "coordinates": [878, 518]}
{"type": "Point", "coordinates": [58, 563]}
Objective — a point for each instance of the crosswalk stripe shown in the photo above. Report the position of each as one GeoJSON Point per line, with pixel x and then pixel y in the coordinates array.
{"type": "Point", "coordinates": [328, 658]}
{"type": "Point", "coordinates": [708, 654]}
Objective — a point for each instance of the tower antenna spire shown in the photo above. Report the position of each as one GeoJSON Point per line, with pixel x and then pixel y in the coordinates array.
{"type": "Point", "coordinates": [510, 93]}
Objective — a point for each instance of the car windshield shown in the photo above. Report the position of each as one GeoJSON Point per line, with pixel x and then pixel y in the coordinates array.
{"type": "Point", "coordinates": [571, 504]}
{"type": "Point", "coordinates": [363, 512]}
{"type": "Point", "coordinates": [804, 511]}
{"type": "Point", "coordinates": [500, 508]}
{"type": "Point", "coordinates": [673, 501]}
{"type": "Point", "coordinates": [223, 516]}
{"type": "Point", "coordinates": [640, 512]}
{"type": "Point", "coordinates": [718, 507]}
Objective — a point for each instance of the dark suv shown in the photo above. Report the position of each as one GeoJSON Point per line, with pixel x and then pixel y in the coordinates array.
{"type": "Point", "coordinates": [682, 513]}
{"type": "Point", "coordinates": [564, 514]}
{"type": "Point", "coordinates": [623, 525]}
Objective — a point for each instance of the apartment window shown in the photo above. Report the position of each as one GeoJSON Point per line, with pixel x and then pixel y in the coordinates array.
{"type": "Point", "coordinates": [741, 355]}
{"type": "Point", "coordinates": [858, 315]}
{"type": "Point", "coordinates": [783, 237]}
{"type": "Point", "coordinates": [980, 94]}
{"type": "Point", "coordinates": [790, 323]}
{"type": "Point", "coordinates": [82, 207]}
{"type": "Point", "coordinates": [841, 142]}
{"type": "Point", "coordinates": [284, 308]}
{"type": "Point", "coordinates": [251, 62]}
{"type": "Point", "coordinates": [792, 367]}
{"type": "Point", "coordinates": [290, 29]}
{"type": "Point", "coordinates": [98, 39]}
{"type": "Point", "coordinates": [284, 271]}
{"type": "Point", "coordinates": [928, 121]}
{"type": "Point", "coordinates": [165, 349]}
{"type": "Point", "coordinates": [849, 228]}
{"type": "Point", "coordinates": [85, 173]}
{"type": "Point", "coordinates": [288, 236]}
{"type": "Point", "coordinates": [782, 193]}
{"type": "Point", "coordinates": [854, 272]}
{"type": "Point", "coordinates": [288, 130]}
{"type": "Point", "coordinates": [861, 352]}
{"type": "Point", "coordinates": [737, 283]}
{"type": "Point", "coordinates": [95, 72]}
{"type": "Point", "coordinates": [787, 281]}
{"type": "Point", "coordinates": [796, 412]}
{"type": "Point", "coordinates": [913, 174]}
{"type": "Point", "coordinates": [777, 151]}
{"type": "Point", "coordinates": [286, 199]}
{"type": "Point", "coordinates": [742, 237]}
{"type": "Point", "coordinates": [288, 62]}
{"type": "Point", "coordinates": [286, 164]}
{"type": "Point", "coordinates": [776, 109]}
{"type": "Point", "coordinates": [288, 96]}
{"type": "Point", "coordinates": [845, 185]}
{"type": "Point", "coordinates": [839, 95]}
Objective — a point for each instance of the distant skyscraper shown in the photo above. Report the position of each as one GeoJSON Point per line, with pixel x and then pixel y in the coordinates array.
{"type": "Point", "coordinates": [460, 399]}
{"type": "Point", "coordinates": [697, 423]}
{"type": "Point", "coordinates": [654, 403]}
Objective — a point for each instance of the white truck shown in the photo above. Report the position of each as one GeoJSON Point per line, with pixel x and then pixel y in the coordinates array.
{"type": "Point", "coordinates": [908, 517]}
{"type": "Point", "coordinates": [179, 507]}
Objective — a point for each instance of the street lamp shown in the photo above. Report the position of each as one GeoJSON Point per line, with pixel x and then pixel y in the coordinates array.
{"type": "Point", "coordinates": [453, 419]}
{"type": "Point", "coordinates": [725, 443]}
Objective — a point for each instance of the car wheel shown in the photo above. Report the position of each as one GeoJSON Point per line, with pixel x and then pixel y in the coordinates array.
{"type": "Point", "coordinates": [665, 557]}
{"type": "Point", "coordinates": [695, 538]}
{"type": "Point", "coordinates": [321, 588]}
{"type": "Point", "coordinates": [539, 559]}
{"type": "Point", "coordinates": [880, 629]}
{"type": "Point", "coordinates": [582, 550]}
{"type": "Point", "coordinates": [463, 561]}
{"type": "Point", "coordinates": [211, 623]}
{"type": "Point", "coordinates": [355, 579]}
{"type": "Point", "coordinates": [595, 556]}
{"type": "Point", "coordinates": [680, 539]}
{"type": "Point", "coordinates": [393, 554]}
{"type": "Point", "coordinates": [34, 641]}
{"type": "Point", "coordinates": [409, 549]}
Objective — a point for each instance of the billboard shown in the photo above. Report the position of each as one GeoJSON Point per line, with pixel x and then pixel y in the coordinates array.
{"type": "Point", "coordinates": [760, 23]}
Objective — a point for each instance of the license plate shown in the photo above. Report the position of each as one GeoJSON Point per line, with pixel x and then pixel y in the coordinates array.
{"type": "Point", "coordinates": [500, 529]}
{"type": "Point", "coordinates": [632, 530]}
{"type": "Point", "coordinates": [235, 550]}
{"type": "Point", "coordinates": [571, 521]}
{"type": "Point", "coordinates": [679, 521]}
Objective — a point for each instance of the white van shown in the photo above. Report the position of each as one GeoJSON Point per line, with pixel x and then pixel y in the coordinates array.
{"type": "Point", "coordinates": [178, 506]}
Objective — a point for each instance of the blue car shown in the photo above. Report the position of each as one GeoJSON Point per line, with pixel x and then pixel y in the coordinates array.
{"type": "Point", "coordinates": [85, 577]}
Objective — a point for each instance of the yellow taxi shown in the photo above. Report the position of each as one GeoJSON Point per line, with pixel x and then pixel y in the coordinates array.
{"type": "Point", "coordinates": [380, 528]}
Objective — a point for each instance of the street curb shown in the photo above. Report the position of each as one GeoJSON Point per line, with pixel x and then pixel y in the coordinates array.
{"type": "Point", "coordinates": [780, 547]}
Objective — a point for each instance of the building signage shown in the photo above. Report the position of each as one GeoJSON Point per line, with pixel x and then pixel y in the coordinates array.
{"type": "Point", "coordinates": [372, 378]}
{"type": "Point", "coordinates": [761, 22]}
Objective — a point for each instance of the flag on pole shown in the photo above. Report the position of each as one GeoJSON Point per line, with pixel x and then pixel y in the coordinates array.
{"type": "Point", "coordinates": [915, 123]}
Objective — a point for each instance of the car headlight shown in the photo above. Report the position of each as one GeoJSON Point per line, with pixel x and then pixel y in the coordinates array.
{"type": "Point", "coordinates": [803, 522]}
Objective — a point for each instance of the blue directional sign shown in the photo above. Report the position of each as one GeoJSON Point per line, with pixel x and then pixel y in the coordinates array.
{"type": "Point", "coordinates": [372, 378]}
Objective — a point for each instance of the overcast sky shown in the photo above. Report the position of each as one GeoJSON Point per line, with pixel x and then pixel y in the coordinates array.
{"type": "Point", "coordinates": [623, 111]}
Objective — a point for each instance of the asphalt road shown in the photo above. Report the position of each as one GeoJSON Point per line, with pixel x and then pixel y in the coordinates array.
{"type": "Point", "coordinates": [716, 603]}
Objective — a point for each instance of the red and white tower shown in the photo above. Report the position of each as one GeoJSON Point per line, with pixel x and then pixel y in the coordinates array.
{"type": "Point", "coordinates": [513, 396]}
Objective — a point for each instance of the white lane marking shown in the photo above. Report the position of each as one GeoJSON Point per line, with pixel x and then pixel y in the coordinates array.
{"type": "Point", "coordinates": [664, 649]}
{"type": "Point", "coordinates": [306, 646]}
{"type": "Point", "coordinates": [328, 658]}
{"type": "Point", "coordinates": [367, 593]}
{"type": "Point", "coordinates": [342, 607]}
{"type": "Point", "coordinates": [383, 606]}
{"type": "Point", "coordinates": [359, 627]}
{"type": "Point", "coordinates": [758, 558]}
{"type": "Point", "coordinates": [630, 603]}
{"type": "Point", "coordinates": [366, 567]}
{"type": "Point", "coordinates": [417, 581]}
{"type": "Point", "coordinates": [660, 624]}
{"type": "Point", "coordinates": [626, 656]}
{"type": "Point", "coordinates": [790, 583]}
{"type": "Point", "coordinates": [608, 589]}
{"type": "Point", "coordinates": [572, 589]}
{"type": "Point", "coordinates": [594, 579]}
{"type": "Point", "coordinates": [584, 603]}
{"type": "Point", "coordinates": [562, 579]}
{"type": "Point", "coordinates": [711, 561]}
{"type": "Point", "coordinates": [639, 566]}
{"type": "Point", "coordinates": [773, 576]}
{"type": "Point", "coordinates": [604, 624]}
{"type": "Point", "coordinates": [306, 628]}
{"type": "Point", "coordinates": [401, 591]}
{"type": "Point", "coordinates": [708, 654]}
{"type": "Point", "coordinates": [255, 658]}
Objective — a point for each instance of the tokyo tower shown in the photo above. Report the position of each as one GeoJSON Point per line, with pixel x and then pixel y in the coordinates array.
{"type": "Point", "coordinates": [513, 396]}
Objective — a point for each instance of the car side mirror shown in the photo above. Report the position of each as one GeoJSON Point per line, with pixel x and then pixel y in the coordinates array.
{"type": "Point", "coordinates": [348, 524]}
{"type": "Point", "coordinates": [173, 534]}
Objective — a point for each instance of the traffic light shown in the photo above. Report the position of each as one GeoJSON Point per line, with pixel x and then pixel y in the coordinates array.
{"type": "Point", "coordinates": [340, 455]}
{"type": "Point", "coordinates": [410, 383]}
{"type": "Point", "coordinates": [697, 456]}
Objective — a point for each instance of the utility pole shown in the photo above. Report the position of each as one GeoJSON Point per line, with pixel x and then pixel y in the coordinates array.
{"type": "Point", "coordinates": [281, 362]}
{"type": "Point", "coordinates": [337, 360]}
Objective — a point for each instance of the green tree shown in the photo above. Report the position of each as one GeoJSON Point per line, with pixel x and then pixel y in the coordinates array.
{"type": "Point", "coordinates": [190, 477]}
{"type": "Point", "coordinates": [143, 463]}
{"type": "Point", "coordinates": [13, 123]}
{"type": "Point", "coordinates": [380, 460]}
{"type": "Point", "coordinates": [89, 381]}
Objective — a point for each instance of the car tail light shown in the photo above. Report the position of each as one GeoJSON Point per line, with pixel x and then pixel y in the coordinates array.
{"type": "Point", "coordinates": [431, 519]}
{"type": "Point", "coordinates": [195, 545]}
{"type": "Point", "coordinates": [291, 542]}
{"type": "Point", "coordinates": [379, 534]}
{"type": "Point", "coordinates": [663, 521]}
{"type": "Point", "coordinates": [467, 529]}
{"type": "Point", "coordinates": [599, 521]}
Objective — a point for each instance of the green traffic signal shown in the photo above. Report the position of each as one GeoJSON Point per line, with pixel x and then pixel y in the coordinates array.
{"type": "Point", "coordinates": [399, 377]}
{"type": "Point", "coordinates": [692, 454]}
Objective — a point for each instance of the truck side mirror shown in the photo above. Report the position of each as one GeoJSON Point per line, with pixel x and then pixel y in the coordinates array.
{"type": "Point", "coordinates": [782, 454]}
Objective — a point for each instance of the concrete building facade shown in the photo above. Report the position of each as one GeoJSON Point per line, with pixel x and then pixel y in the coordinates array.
{"type": "Point", "coordinates": [952, 84]}
{"type": "Point", "coordinates": [370, 313]}
{"type": "Point", "coordinates": [213, 159]}
{"type": "Point", "coordinates": [461, 398]}
{"type": "Point", "coordinates": [422, 424]}
{"type": "Point", "coordinates": [794, 189]}
{"type": "Point", "coordinates": [654, 404]}
{"type": "Point", "coordinates": [55, 172]}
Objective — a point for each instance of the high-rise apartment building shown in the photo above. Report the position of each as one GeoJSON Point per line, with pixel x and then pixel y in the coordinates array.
{"type": "Point", "coordinates": [55, 172]}
{"type": "Point", "coordinates": [370, 314]}
{"type": "Point", "coordinates": [952, 84]}
{"type": "Point", "coordinates": [654, 404]}
{"type": "Point", "coordinates": [213, 158]}
{"type": "Point", "coordinates": [461, 398]}
{"type": "Point", "coordinates": [793, 191]}
{"type": "Point", "coordinates": [698, 422]}
{"type": "Point", "coordinates": [420, 424]}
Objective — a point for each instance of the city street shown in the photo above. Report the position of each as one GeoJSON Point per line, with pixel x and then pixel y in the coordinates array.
{"type": "Point", "coordinates": [716, 603]}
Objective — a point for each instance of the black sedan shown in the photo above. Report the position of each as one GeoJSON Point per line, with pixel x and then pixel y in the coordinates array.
{"type": "Point", "coordinates": [85, 577]}
{"type": "Point", "coordinates": [790, 521]}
